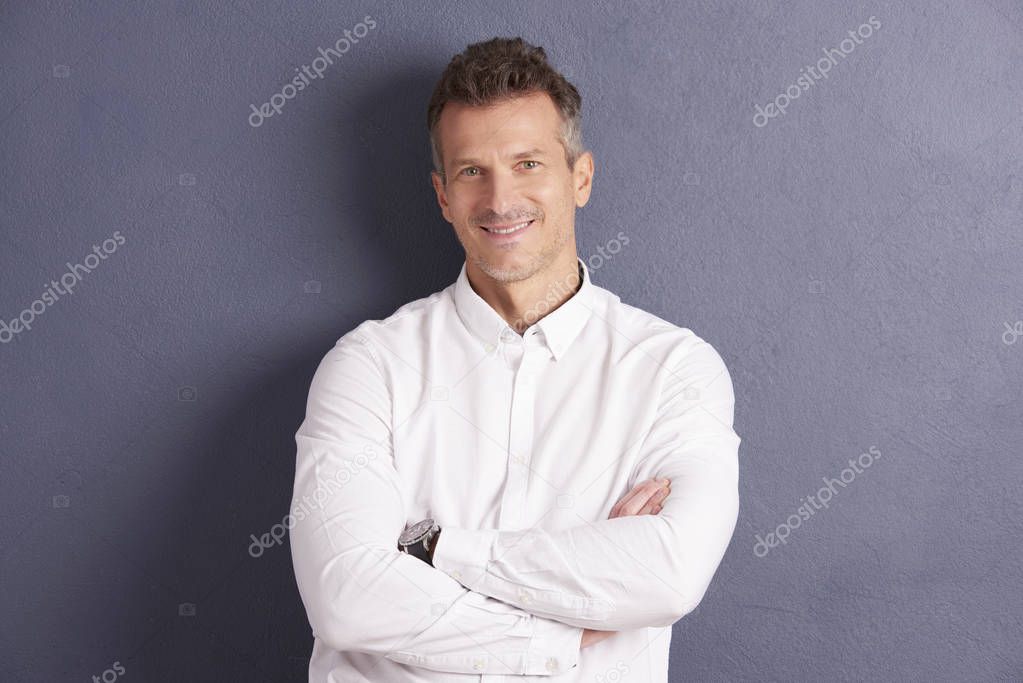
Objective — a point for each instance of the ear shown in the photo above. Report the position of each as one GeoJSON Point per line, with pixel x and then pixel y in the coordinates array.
{"type": "Point", "coordinates": [442, 198]}
{"type": "Point", "coordinates": [582, 178]}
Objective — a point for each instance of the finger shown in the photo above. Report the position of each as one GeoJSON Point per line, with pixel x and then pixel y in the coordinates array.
{"type": "Point", "coordinates": [653, 506]}
{"type": "Point", "coordinates": [632, 502]}
{"type": "Point", "coordinates": [650, 509]}
{"type": "Point", "coordinates": [636, 490]}
{"type": "Point", "coordinates": [636, 503]}
{"type": "Point", "coordinates": [647, 497]}
{"type": "Point", "coordinates": [616, 508]}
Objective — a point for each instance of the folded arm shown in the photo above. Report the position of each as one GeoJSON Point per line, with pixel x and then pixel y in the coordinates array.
{"type": "Point", "coordinates": [635, 571]}
{"type": "Point", "coordinates": [359, 591]}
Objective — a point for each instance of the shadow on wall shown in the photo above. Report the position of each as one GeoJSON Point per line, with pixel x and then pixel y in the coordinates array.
{"type": "Point", "coordinates": [388, 146]}
{"type": "Point", "coordinates": [215, 593]}
{"type": "Point", "coordinates": [385, 147]}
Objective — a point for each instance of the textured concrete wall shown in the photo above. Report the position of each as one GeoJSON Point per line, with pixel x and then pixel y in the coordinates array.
{"type": "Point", "coordinates": [850, 242]}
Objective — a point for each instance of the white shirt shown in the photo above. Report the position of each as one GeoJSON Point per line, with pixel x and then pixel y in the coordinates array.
{"type": "Point", "coordinates": [518, 446]}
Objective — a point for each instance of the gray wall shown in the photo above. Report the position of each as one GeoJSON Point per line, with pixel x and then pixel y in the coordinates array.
{"type": "Point", "coordinates": [856, 261]}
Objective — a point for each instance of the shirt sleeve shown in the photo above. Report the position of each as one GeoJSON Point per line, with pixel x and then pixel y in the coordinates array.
{"type": "Point", "coordinates": [360, 593]}
{"type": "Point", "coordinates": [636, 571]}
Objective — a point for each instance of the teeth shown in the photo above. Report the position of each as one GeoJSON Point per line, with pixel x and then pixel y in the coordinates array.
{"type": "Point", "coordinates": [505, 231]}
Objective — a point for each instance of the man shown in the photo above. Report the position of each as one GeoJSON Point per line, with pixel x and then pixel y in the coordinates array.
{"type": "Point", "coordinates": [515, 433]}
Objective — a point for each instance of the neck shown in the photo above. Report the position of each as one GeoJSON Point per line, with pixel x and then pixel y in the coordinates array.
{"type": "Point", "coordinates": [524, 302]}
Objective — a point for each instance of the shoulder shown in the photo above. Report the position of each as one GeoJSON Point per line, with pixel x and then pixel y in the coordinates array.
{"type": "Point", "coordinates": [687, 369]}
{"type": "Point", "coordinates": [669, 344]}
{"type": "Point", "coordinates": [406, 324]}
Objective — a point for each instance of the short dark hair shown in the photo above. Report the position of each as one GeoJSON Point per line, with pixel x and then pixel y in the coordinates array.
{"type": "Point", "coordinates": [501, 69]}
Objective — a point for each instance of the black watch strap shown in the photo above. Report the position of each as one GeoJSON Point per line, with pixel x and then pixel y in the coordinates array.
{"type": "Point", "coordinates": [419, 550]}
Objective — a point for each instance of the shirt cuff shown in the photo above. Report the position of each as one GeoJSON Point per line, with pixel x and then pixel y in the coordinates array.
{"type": "Point", "coordinates": [463, 554]}
{"type": "Point", "coordinates": [554, 647]}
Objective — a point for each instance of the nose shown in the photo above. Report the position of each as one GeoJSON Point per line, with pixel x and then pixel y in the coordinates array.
{"type": "Point", "coordinates": [501, 192]}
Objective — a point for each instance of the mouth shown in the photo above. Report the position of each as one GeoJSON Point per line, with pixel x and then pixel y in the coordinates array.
{"type": "Point", "coordinates": [507, 229]}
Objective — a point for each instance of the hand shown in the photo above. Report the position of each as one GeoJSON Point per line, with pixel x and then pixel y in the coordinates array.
{"type": "Point", "coordinates": [644, 499]}
{"type": "Point", "coordinates": [591, 637]}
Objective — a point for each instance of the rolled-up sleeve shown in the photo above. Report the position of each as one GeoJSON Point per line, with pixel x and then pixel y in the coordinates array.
{"type": "Point", "coordinates": [360, 593]}
{"type": "Point", "coordinates": [635, 571]}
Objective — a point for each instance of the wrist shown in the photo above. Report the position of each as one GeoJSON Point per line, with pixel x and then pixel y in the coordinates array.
{"type": "Point", "coordinates": [433, 545]}
{"type": "Point", "coordinates": [416, 540]}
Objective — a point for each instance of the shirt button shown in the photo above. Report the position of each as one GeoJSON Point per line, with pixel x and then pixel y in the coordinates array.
{"type": "Point", "coordinates": [456, 575]}
{"type": "Point", "coordinates": [552, 664]}
{"type": "Point", "coordinates": [478, 664]}
{"type": "Point", "coordinates": [508, 335]}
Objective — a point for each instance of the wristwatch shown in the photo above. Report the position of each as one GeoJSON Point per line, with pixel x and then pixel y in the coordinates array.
{"type": "Point", "coordinates": [415, 540]}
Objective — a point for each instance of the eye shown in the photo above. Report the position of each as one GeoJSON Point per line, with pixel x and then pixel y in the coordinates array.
{"type": "Point", "coordinates": [465, 171]}
{"type": "Point", "coordinates": [532, 162]}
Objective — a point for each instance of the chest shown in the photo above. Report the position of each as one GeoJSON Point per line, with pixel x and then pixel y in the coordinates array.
{"type": "Point", "coordinates": [520, 440]}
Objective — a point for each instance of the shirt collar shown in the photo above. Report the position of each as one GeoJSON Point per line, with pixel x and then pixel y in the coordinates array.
{"type": "Point", "coordinates": [560, 327]}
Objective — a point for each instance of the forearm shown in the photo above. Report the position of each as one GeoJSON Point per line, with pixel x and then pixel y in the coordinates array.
{"type": "Point", "coordinates": [628, 572]}
{"type": "Point", "coordinates": [363, 595]}
{"type": "Point", "coordinates": [614, 574]}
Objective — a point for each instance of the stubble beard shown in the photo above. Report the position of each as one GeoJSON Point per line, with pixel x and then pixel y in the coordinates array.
{"type": "Point", "coordinates": [536, 263]}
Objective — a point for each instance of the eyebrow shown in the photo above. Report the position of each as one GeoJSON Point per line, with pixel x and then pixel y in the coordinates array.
{"type": "Point", "coordinates": [535, 152]}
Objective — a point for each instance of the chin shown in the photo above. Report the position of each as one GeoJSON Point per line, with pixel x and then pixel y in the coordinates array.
{"type": "Point", "coordinates": [506, 270]}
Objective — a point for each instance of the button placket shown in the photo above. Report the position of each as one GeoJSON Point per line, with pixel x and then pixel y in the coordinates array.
{"type": "Point", "coordinates": [520, 438]}
{"type": "Point", "coordinates": [511, 348]}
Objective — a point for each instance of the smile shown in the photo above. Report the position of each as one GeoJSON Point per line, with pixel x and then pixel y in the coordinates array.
{"type": "Point", "coordinates": [506, 229]}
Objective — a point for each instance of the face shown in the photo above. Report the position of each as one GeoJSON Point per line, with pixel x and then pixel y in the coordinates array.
{"type": "Point", "coordinates": [510, 194]}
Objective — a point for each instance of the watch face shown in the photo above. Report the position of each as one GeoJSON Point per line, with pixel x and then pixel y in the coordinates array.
{"type": "Point", "coordinates": [414, 532]}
